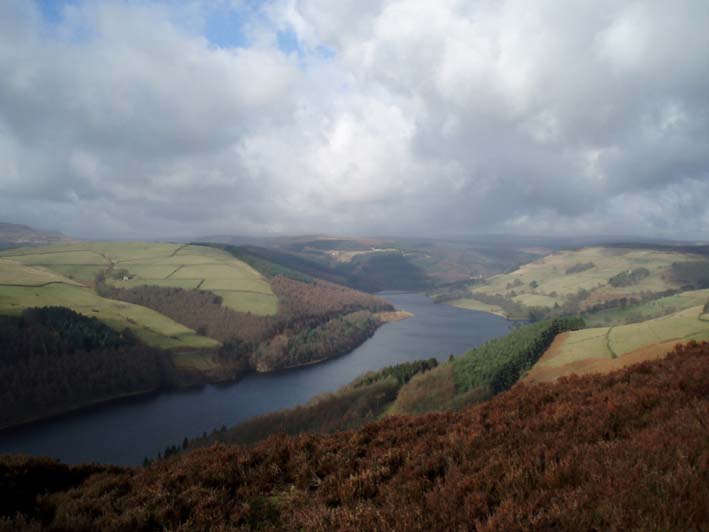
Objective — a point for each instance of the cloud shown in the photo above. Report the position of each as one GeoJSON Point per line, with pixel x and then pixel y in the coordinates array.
{"type": "Point", "coordinates": [413, 117]}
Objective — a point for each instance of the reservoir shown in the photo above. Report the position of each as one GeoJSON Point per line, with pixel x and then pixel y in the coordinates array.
{"type": "Point", "coordinates": [125, 432]}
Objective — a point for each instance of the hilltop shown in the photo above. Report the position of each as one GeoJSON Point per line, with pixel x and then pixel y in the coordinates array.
{"type": "Point", "coordinates": [377, 263]}
{"type": "Point", "coordinates": [13, 235]}
{"type": "Point", "coordinates": [625, 451]}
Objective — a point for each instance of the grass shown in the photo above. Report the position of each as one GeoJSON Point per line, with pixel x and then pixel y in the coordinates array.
{"type": "Point", "coordinates": [474, 304]}
{"type": "Point", "coordinates": [187, 284]}
{"type": "Point", "coordinates": [15, 273]}
{"type": "Point", "coordinates": [679, 326]}
{"type": "Point", "coordinates": [578, 345]}
{"type": "Point", "coordinates": [544, 282]}
{"type": "Point", "coordinates": [603, 349]}
{"type": "Point", "coordinates": [83, 273]}
{"type": "Point", "coordinates": [536, 300]}
{"type": "Point", "coordinates": [649, 310]}
{"type": "Point", "coordinates": [195, 361]}
{"type": "Point", "coordinates": [259, 304]}
{"type": "Point", "coordinates": [183, 266]}
{"type": "Point", "coordinates": [151, 327]}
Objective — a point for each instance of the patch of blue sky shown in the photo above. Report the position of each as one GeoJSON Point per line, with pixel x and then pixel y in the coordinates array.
{"type": "Point", "coordinates": [53, 10]}
{"type": "Point", "coordinates": [226, 23]}
{"type": "Point", "coordinates": [54, 13]}
{"type": "Point", "coordinates": [289, 43]}
{"type": "Point", "coordinates": [226, 26]}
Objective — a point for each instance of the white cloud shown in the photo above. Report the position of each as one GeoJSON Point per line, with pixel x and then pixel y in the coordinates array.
{"type": "Point", "coordinates": [424, 117]}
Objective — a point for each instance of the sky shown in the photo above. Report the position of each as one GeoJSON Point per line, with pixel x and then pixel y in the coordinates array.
{"type": "Point", "coordinates": [146, 119]}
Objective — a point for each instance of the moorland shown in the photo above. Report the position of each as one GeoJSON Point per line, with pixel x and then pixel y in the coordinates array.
{"type": "Point", "coordinates": [622, 451]}
{"type": "Point", "coordinates": [85, 322]}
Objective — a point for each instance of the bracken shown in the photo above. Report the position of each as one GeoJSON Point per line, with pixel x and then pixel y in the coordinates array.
{"type": "Point", "coordinates": [624, 451]}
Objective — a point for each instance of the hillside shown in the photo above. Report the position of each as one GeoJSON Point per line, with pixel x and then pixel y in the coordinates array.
{"type": "Point", "coordinates": [127, 265]}
{"type": "Point", "coordinates": [54, 360]}
{"type": "Point", "coordinates": [375, 264]}
{"type": "Point", "coordinates": [24, 287]}
{"type": "Point", "coordinates": [408, 388]}
{"type": "Point", "coordinates": [14, 235]}
{"type": "Point", "coordinates": [604, 349]}
{"type": "Point", "coordinates": [216, 315]}
{"type": "Point", "coordinates": [567, 282]}
{"type": "Point", "coordinates": [625, 451]}
{"type": "Point", "coordinates": [628, 312]}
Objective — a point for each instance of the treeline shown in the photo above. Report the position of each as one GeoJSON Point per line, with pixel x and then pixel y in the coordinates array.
{"type": "Point", "coordinates": [579, 267]}
{"type": "Point", "coordinates": [374, 272]}
{"type": "Point", "coordinates": [297, 299]}
{"type": "Point", "coordinates": [363, 400]}
{"type": "Point", "coordinates": [602, 314]}
{"type": "Point", "coordinates": [512, 309]}
{"type": "Point", "coordinates": [200, 310]}
{"type": "Point", "coordinates": [53, 360]}
{"type": "Point", "coordinates": [629, 278]}
{"type": "Point", "coordinates": [481, 372]}
{"type": "Point", "coordinates": [500, 362]}
{"type": "Point", "coordinates": [53, 331]}
{"type": "Point", "coordinates": [253, 257]}
{"type": "Point", "coordinates": [694, 274]}
{"type": "Point", "coordinates": [290, 262]}
{"type": "Point", "coordinates": [370, 272]}
{"type": "Point", "coordinates": [522, 356]}
{"type": "Point", "coordinates": [401, 372]}
{"type": "Point", "coordinates": [624, 451]}
{"type": "Point", "coordinates": [304, 345]}
{"type": "Point", "coordinates": [315, 320]}
{"type": "Point", "coordinates": [452, 291]}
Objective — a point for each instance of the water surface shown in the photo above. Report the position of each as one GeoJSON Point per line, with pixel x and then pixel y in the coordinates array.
{"type": "Point", "coordinates": [125, 432]}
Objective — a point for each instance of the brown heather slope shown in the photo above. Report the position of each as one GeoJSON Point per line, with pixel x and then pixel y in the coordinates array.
{"type": "Point", "coordinates": [624, 451]}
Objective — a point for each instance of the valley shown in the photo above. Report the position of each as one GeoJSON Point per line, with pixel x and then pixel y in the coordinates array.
{"type": "Point", "coordinates": [297, 265]}
{"type": "Point", "coordinates": [127, 431]}
{"type": "Point", "coordinates": [129, 329]}
{"type": "Point", "coordinates": [632, 439]}
{"type": "Point", "coordinates": [215, 317]}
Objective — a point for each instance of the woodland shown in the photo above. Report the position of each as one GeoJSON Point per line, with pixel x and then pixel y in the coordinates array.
{"type": "Point", "coordinates": [316, 320]}
{"type": "Point", "coordinates": [53, 360]}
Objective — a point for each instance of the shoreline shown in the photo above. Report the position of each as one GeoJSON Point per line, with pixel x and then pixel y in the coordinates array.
{"type": "Point", "coordinates": [201, 381]}
{"type": "Point", "coordinates": [76, 409]}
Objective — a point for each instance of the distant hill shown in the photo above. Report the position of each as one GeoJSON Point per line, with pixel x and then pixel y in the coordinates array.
{"type": "Point", "coordinates": [12, 235]}
{"type": "Point", "coordinates": [572, 281]}
{"type": "Point", "coordinates": [381, 263]}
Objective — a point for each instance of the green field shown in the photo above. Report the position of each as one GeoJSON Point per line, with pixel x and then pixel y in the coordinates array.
{"type": "Point", "coordinates": [150, 326]}
{"type": "Point", "coordinates": [474, 304]}
{"type": "Point", "coordinates": [614, 342]}
{"type": "Point", "coordinates": [649, 310]}
{"type": "Point", "coordinates": [195, 361]}
{"type": "Point", "coordinates": [131, 264]}
{"type": "Point", "coordinates": [63, 275]}
{"type": "Point", "coordinates": [545, 282]}
{"type": "Point", "coordinates": [13, 273]}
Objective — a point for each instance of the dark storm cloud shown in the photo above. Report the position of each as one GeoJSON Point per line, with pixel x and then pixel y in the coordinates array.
{"type": "Point", "coordinates": [123, 119]}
